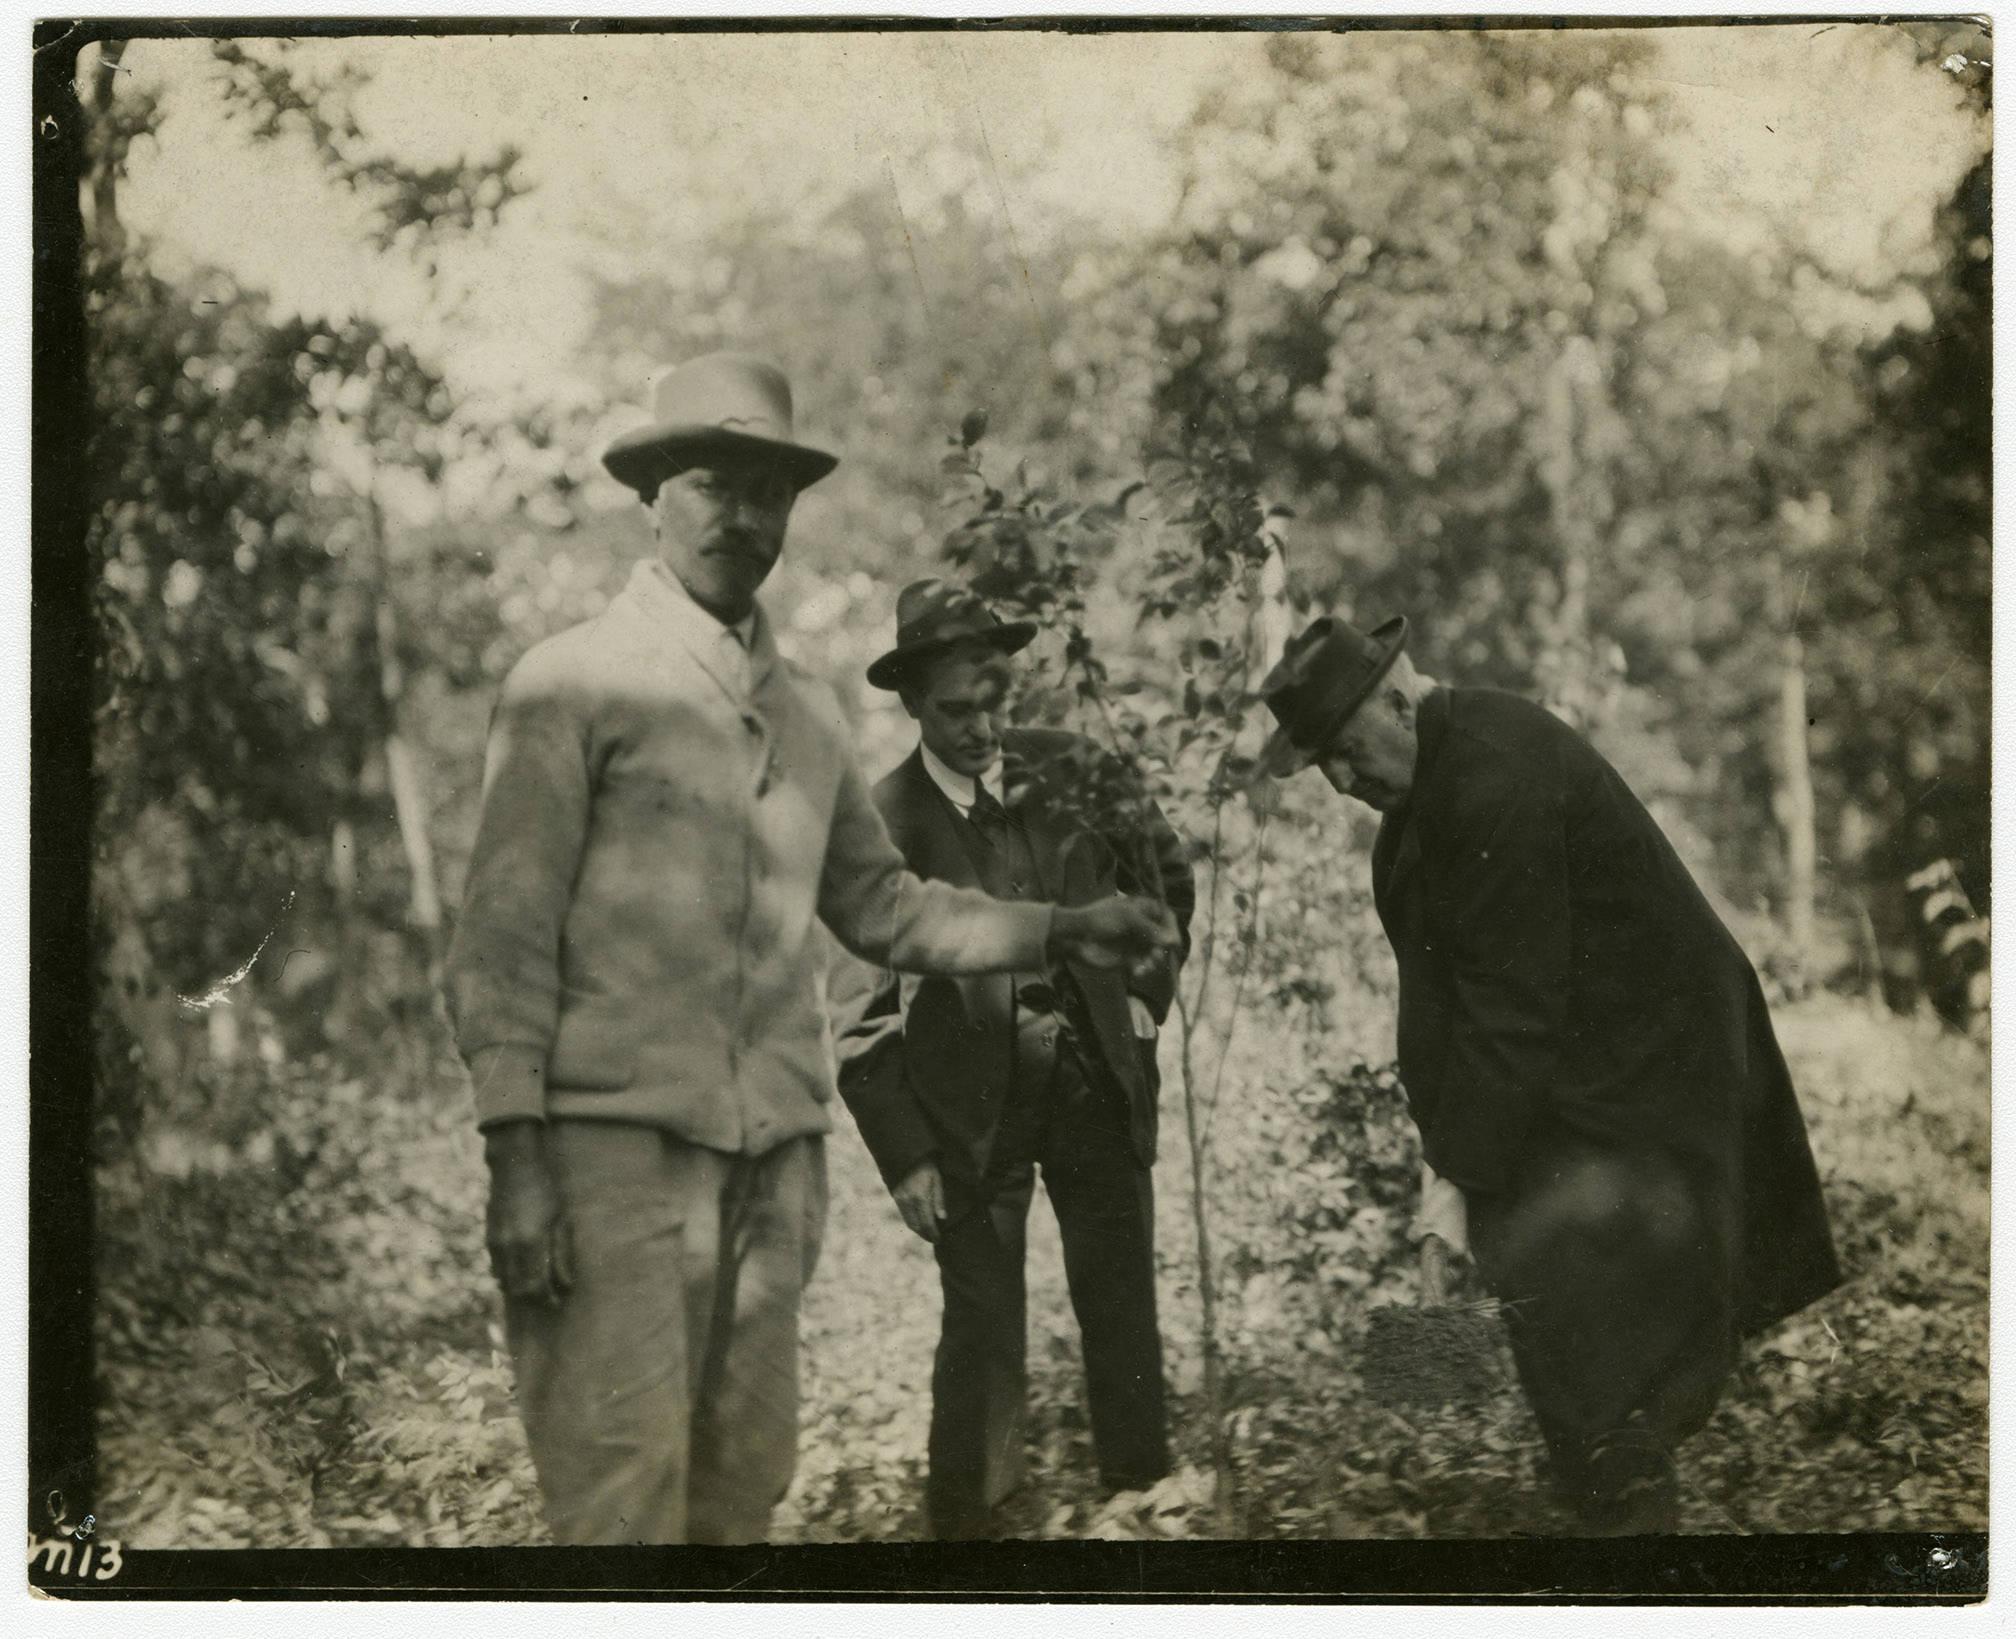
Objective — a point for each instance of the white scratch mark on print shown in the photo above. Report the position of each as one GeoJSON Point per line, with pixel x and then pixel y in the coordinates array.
{"type": "Point", "coordinates": [1001, 198]}
{"type": "Point", "coordinates": [909, 244]}
{"type": "Point", "coordinates": [220, 991]}
{"type": "Point", "coordinates": [1925, 698]}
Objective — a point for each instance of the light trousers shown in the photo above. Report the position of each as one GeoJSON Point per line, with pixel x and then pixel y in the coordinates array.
{"type": "Point", "coordinates": [660, 1397]}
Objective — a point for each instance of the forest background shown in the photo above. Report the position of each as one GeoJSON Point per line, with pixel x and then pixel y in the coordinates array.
{"type": "Point", "coordinates": [1534, 337]}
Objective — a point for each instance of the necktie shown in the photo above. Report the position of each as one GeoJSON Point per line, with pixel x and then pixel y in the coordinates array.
{"type": "Point", "coordinates": [987, 815]}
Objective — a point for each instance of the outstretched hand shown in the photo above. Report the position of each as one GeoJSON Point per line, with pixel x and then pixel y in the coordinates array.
{"type": "Point", "coordinates": [1115, 932]}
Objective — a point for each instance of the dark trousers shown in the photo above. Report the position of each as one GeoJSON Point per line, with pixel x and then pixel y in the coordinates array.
{"type": "Point", "coordinates": [1616, 1281]}
{"type": "Point", "coordinates": [1104, 1200]}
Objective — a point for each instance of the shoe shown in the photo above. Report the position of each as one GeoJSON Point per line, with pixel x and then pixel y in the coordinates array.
{"type": "Point", "coordinates": [1114, 1484]}
{"type": "Point", "coordinates": [1643, 1507]}
{"type": "Point", "coordinates": [1628, 1485]}
{"type": "Point", "coordinates": [965, 1528]}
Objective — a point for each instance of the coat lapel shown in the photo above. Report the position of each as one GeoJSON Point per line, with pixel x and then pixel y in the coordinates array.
{"type": "Point", "coordinates": [951, 1025]}
{"type": "Point", "coordinates": [930, 829]}
{"type": "Point", "coordinates": [669, 612]}
{"type": "Point", "coordinates": [1022, 784]}
{"type": "Point", "coordinates": [763, 661]}
{"type": "Point", "coordinates": [1396, 856]}
{"type": "Point", "coordinates": [711, 660]}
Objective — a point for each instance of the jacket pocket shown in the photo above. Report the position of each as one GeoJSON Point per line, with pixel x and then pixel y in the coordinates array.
{"type": "Point", "coordinates": [594, 1049]}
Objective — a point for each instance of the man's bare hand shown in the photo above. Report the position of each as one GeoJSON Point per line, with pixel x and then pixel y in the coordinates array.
{"type": "Point", "coordinates": [531, 1243]}
{"type": "Point", "coordinates": [921, 1200]}
{"type": "Point", "coordinates": [1443, 1212]}
{"type": "Point", "coordinates": [1434, 1269]}
{"type": "Point", "coordinates": [1114, 932]}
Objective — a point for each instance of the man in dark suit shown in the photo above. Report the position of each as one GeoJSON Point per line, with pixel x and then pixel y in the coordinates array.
{"type": "Point", "coordinates": [1587, 1054]}
{"type": "Point", "coordinates": [963, 1087]}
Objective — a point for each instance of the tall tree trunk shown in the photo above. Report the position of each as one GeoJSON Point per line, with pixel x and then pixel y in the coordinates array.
{"type": "Point", "coordinates": [1795, 798]}
{"type": "Point", "coordinates": [1565, 680]}
{"type": "Point", "coordinates": [142, 1002]}
{"type": "Point", "coordinates": [1226, 1510]}
{"type": "Point", "coordinates": [105, 225]}
{"type": "Point", "coordinates": [1577, 427]}
{"type": "Point", "coordinates": [343, 864]}
{"type": "Point", "coordinates": [409, 802]}
{"type": "Point", "coordinates": [403, 771]}
{"type": "Point", "coordinates": [1792, 802]}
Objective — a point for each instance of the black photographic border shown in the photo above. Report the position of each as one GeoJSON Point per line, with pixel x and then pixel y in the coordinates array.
{"type": "Point", "coordinates": [1901, 1568]}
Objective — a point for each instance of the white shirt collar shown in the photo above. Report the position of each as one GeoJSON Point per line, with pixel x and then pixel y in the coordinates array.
{"type": "Point", "coordinates": [698, 624]}
{"type": "Point", "coordinates": [956, 786]}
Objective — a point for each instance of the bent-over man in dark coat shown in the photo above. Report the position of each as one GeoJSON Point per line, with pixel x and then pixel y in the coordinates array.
{"type": "Point", "coordinates": [1586, 1051]}
{"type": "Point", "coordinates": [964, 1086]}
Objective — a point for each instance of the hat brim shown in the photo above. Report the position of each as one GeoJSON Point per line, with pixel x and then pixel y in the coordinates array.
{"type": "Point", "coordinates": [1010, 637]}
{"type": "Point", "coordinates": [1284, 755]}
{"type": "Point", "coordinates": [646, 457]}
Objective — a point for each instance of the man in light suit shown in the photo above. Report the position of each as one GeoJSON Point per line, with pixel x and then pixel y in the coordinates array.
{"type": "Point", "coordinates": [668, 805]}
{"type": "Point", "coordinates": [964, 1087]}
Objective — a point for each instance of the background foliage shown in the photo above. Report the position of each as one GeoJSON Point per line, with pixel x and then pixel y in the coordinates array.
{"type": "Point", "coordinates": [1725, 508]}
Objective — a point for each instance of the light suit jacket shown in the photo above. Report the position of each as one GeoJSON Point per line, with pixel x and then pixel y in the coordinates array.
{"type": "Point", "coordinates": [653, 851]}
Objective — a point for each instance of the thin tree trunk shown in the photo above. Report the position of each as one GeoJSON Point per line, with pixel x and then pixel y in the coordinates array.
{"type": "Point", "coordinates": [143, 1003]}
{"type": "Point", "coordinates": [145, 1006]}
{"type": "Point", "coordinates": [105, 223]}
{"type": "Point", "coordinates": [1871, 957]}
{"type": "Point", "coordinates": [409, 801]}
{"type": "Point", "coordinates": [1225, 1502]}
{"type": "Point", "coordinates": [1564, 665]}
{"type": "Point", "coordinates": [403, 771]}
{"type": "Point", "coordinates": [343, 863]}
{"type": "Point", "coordinates": [1795, 794]}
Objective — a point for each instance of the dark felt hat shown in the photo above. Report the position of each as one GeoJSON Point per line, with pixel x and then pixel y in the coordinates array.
{"type": "Point", "coordinates": [1324, 676]}
{"type": "Point", "coordinates": [934, 614]}
{"type": "Point", "coordinates": [721, 405]}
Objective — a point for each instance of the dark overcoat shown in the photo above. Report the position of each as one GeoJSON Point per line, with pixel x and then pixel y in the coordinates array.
{"type": "Point", "coordinates": [1560, 967]}
{"type": "Point", "coordinates": [929, 1080]}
